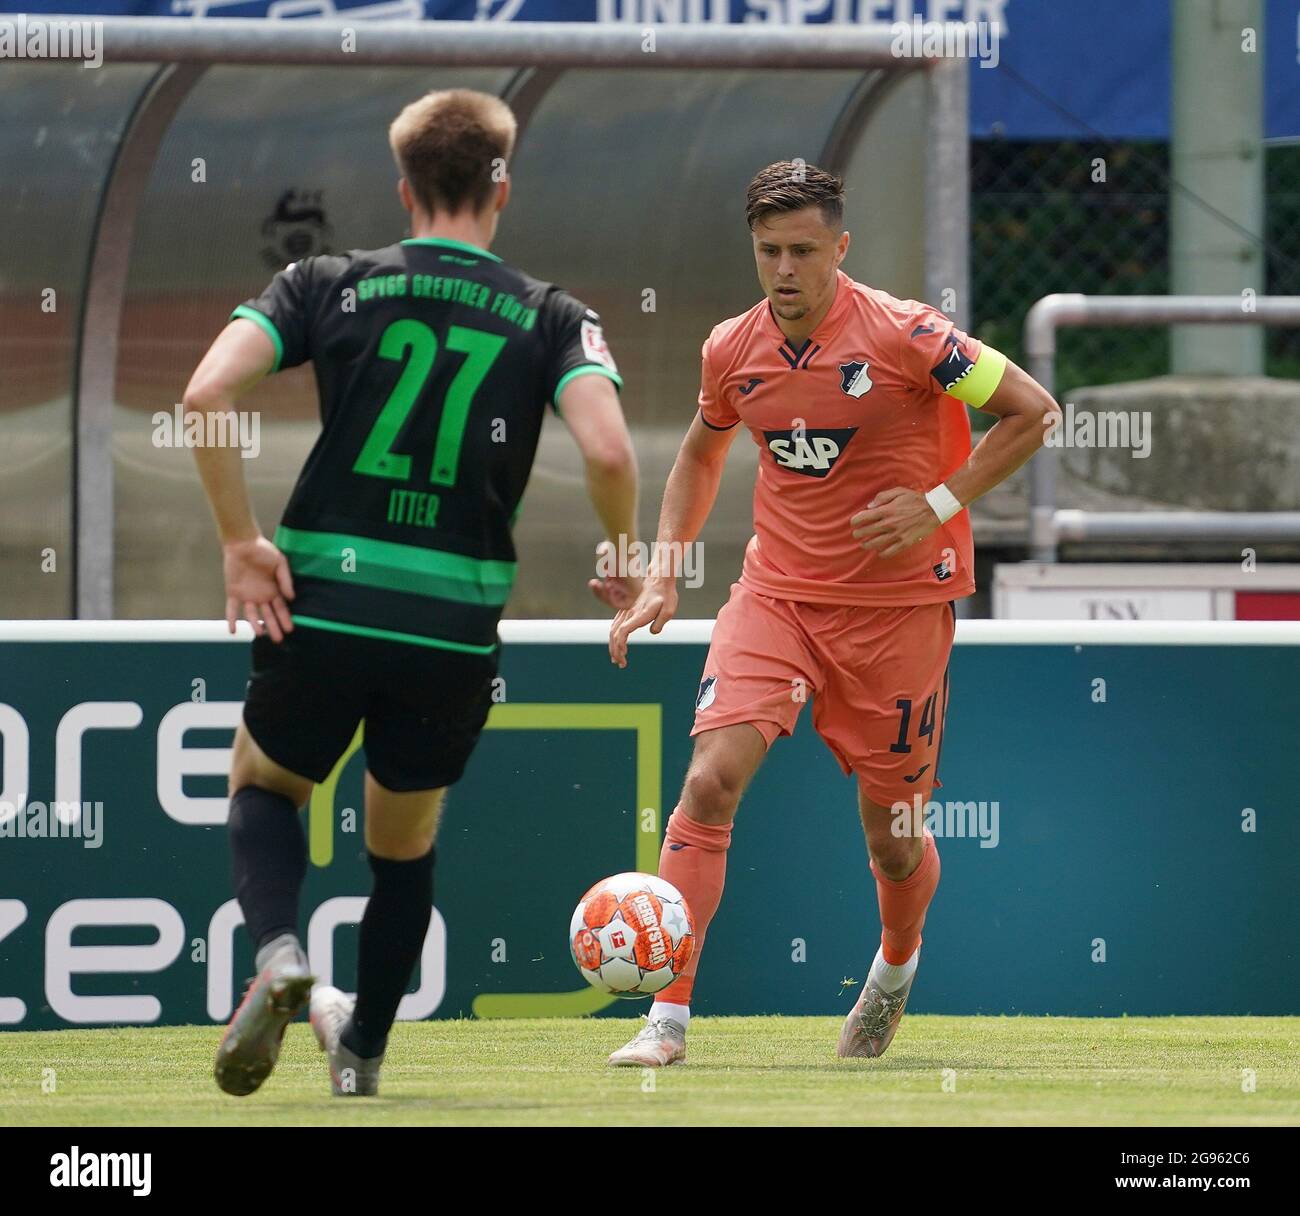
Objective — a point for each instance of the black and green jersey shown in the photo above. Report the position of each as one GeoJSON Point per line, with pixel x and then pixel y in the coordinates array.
{"type": "Point", "coordinates": [434, 361]}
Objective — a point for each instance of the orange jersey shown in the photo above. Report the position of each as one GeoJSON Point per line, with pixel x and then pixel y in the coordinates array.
{"type": "Point", "coordinates": [861, 407]}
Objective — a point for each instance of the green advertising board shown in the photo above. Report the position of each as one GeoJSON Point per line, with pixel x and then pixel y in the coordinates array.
{"type": "Point", "coordinates": [1123, 813]}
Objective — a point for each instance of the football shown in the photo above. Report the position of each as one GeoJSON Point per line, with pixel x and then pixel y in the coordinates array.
{"type": "Point", "coordinates": [631, 935]}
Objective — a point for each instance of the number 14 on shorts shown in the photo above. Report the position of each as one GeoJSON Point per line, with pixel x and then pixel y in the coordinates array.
{"type": "Point", "coordinates": [924, 729]}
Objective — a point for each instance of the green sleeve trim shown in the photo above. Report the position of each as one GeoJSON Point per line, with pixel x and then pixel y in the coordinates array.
{"type": "Point", "coordinates": [585, 370]}
{"type": "Point", "coordinates": [268, 327]}
{"type": "Point", "coordinates": [978, 384]}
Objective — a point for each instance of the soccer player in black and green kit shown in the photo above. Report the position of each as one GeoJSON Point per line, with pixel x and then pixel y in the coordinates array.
{"type": "Point", "coordinates": [378, 598]}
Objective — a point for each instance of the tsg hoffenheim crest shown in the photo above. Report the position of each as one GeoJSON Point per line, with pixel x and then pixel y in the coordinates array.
{"type": "Point", "coordinates": [854, 379]}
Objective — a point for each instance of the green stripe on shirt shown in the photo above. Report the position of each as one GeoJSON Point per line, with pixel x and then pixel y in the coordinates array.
{"type": "Point", "coordinates": [395, 567]}
{"type": "Point", "coordinates": [390, 635]}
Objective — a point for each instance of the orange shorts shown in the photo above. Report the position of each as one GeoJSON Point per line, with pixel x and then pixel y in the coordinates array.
{"type": "Point", "coordinates": [877, 677]}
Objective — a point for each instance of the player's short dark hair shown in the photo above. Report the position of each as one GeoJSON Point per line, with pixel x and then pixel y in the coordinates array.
{"type": "Point", "coordinates": [792, 185]}
{"type": "Point", "coordinates": [448, 145]}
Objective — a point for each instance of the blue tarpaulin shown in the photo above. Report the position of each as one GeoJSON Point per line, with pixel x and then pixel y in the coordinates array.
{"type": "Point", "coordinates": [1084, 69]}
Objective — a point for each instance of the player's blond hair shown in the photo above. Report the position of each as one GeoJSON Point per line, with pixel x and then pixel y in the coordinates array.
{"type": "Point", "coordinates": [453, 147]}
{"type": "Point", "coordinates": [792, 185]}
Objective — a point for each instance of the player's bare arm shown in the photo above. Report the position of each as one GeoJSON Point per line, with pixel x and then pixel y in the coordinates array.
{"type": "Point", "coordinates": [688, 498]}
{"type": "Point", "coordinates": [897, 518]}
{"type": "Point", "coordinates": [590, 407]}
{"type": "Point", "coordinates": [257, 578]}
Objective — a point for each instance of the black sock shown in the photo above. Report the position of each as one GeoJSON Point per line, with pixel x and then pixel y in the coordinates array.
{"type": "Point", "coordinates": [392, 935]}
{"type": "Point", "coordinates": [268, 851]}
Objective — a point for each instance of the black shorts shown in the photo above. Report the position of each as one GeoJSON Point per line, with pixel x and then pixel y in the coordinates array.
{"type": "Point", "coordinates": [423, 707]}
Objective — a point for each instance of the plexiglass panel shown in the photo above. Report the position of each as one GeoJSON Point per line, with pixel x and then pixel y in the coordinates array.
{"type": "Point", "coordinates": [59, 128]}
{"type": "Point", "coordinates": [260, 167]}
{"type": "Point", "coordinates": [628, 190]}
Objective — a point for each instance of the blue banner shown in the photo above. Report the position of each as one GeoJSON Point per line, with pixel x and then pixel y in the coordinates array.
{"type": "Point", "coordinates": [1098, 69]}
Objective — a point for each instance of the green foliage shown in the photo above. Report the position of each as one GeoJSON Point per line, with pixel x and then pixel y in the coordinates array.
{"type": "Point", "coordinates": [1040, 223]}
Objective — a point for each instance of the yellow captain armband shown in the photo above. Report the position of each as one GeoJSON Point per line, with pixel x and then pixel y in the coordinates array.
{"type": "Point", "coordinates": [980, 380]}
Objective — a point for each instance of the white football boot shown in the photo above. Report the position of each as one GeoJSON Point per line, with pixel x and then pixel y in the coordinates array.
{"type": "Point", "coordinates": [660, 1042]}
{"type": "Point", "coordinates": [351, 1075]}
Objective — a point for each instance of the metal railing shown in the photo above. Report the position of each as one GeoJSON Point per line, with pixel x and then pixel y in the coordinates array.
{"type": "Point", "coordinates": [495, 44]}
{"type": "Point", "coordinates": [1048, 525]}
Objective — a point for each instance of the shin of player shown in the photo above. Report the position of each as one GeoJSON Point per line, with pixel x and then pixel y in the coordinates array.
{"type": "Point", "coordinates": [694, 860]}
{"type": "Point", "coordinates": [906, 870]}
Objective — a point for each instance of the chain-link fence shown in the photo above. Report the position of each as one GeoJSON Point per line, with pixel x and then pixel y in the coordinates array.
{"type": "Point", "coordinates": [1093, 217]}
{"type": "Point", "coordinates": [1282, 250]}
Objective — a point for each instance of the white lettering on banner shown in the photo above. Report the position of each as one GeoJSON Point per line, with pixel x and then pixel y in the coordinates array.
{"type": "Point", "coordinates": [17, 750]}
{"type": "Point", "coordinates": [348, 910]}
{"type": "Point", "coordinates": [63, 960]}
{"type": "Point", "coordinates": [12, 914]}
{"type": "Point", "coordinates": [221, 960]}
{"type": "Point", "coordinates": [796, 12]}
{"type": "Point", "coordinates": [88, 715]}
{"type": "Point", "coordinates": [176, 761]}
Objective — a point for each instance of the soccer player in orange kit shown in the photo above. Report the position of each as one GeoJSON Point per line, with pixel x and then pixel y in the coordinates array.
{"type": "Point", "coordinates": [857, 402]}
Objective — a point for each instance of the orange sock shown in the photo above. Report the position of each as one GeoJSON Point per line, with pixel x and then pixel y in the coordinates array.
{"type": "Point", "coordinates": [694, 860]}
{"type": "Point", "coordinates": [903, 904]}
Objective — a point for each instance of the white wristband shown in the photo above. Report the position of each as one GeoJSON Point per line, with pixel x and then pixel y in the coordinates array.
{"type": "Point", "coordinates": [943, 502]}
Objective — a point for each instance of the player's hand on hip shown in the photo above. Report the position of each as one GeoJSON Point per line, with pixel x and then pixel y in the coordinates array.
{"type": "Point", "coordinates": [655, 606]}
{"type": "Point", "coordinates": [893, 521]}
{"type": "Point", "coordinates": [258, 584]}
{"type": "Point", "coordinates": [617, 590]}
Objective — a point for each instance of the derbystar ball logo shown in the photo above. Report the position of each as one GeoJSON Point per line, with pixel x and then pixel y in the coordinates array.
{"type": "Point", "coordinates": [812, 453]}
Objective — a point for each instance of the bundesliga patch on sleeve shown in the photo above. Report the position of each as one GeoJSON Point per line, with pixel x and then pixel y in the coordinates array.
{"type": "Point", "coordinates": [956, 365]}
{"type": "Point", "coordinates": [593, 344]}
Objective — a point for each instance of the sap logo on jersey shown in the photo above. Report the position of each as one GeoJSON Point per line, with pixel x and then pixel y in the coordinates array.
{"type": "Point", "coordinates": [853, 377]}
{"type": "Point", "coordinates": [812, 453]}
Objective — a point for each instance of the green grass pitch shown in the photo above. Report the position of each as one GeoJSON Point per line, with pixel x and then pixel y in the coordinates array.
{"type": "Point", "coordinates": [760, 1070]}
